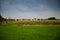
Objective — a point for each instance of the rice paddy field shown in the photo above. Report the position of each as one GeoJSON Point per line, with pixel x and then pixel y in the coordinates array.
{"type": "Point", "coordinates": [33, 32]}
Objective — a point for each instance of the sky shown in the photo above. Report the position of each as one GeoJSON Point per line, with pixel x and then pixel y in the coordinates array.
{"type": "Point", "coordinates": [19, 9]}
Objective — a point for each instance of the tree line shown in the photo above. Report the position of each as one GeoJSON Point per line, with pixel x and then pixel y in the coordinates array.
{"type": "Point", "coordinates": [4, 19]}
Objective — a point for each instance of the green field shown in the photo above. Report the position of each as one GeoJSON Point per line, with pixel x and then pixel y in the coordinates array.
{"type": "Point", "coordinates": [8, 32]}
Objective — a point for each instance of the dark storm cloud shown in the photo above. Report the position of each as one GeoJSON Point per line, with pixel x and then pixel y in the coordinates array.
{"type": "Point", "coordinates": [33, 7]}
{"type": "Point", "coordinates": [53, 4]}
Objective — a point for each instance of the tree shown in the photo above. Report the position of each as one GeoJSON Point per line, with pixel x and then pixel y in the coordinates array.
{"type": "Point", "coordinates": [52, 18]}
{"type": "Point", "coordinates": [35, 19]}
{"type": "Point", "coordinates": [2, 19]}
{"type": "Point", "coordinates": [38, 19]}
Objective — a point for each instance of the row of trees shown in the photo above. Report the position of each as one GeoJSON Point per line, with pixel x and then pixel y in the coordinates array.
{"type": "Point", "coordinates": [3, 19]}
{"type": "Point", "coordinates": [50, 18]}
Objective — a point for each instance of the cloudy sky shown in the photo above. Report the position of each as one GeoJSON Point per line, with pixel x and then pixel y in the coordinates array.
{"type": "Point", "coordinates": [30, 8]}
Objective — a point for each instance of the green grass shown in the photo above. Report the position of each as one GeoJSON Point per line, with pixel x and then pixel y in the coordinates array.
{"type": "Point", "coordinates": [8, 32]}
{"type": "Point", "coordinates": [34, 21]}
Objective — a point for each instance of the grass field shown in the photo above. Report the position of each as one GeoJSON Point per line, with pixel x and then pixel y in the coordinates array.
{"type": "Point", "coordinates": [8, 32]}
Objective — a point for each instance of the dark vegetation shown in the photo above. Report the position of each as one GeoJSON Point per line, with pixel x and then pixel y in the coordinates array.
{"type": "Point", "coordinates": [52, 18]}
{"type": "Point", "coordinates": [2, 20]}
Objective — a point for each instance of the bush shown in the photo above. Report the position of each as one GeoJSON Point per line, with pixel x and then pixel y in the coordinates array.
{"type": "Point", "coordinates": [52, 18]}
